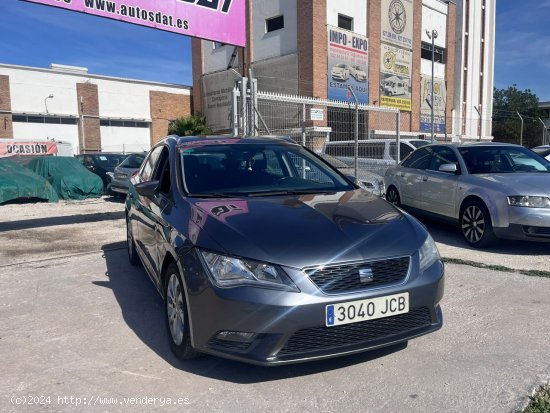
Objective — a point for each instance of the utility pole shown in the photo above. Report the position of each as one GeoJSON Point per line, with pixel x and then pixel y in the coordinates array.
{"type": "Point", "coordinates": [432, 35]}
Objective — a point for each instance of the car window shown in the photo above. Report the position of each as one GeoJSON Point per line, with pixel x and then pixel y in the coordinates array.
{"type": "Point", "coordinates": [132, 161]}
{"type": "Point", "coordinates": [502, 159]}
{"type": "Point", "coordinates": [372, 150]}
{"type": "Point", "coordinates": [405, 150]}
{"type": "Point", "coordinates": [420, 159]}
{"type": "Point", "coordinates": [148, 166]}
{"type": "Point", "coordinates": [248, 168]}
{"type": "Point", "coordinates": [442, 156]}
{"type": "Point", "coordinates": [162, 172]}
{"type": "Point", "coordinates": [109, 160]}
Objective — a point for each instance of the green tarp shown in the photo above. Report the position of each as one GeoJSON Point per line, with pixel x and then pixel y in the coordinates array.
{"type": "Point", "coordinates": [18, 182]}
{"type": "Point", "coordinates": [69, 178]}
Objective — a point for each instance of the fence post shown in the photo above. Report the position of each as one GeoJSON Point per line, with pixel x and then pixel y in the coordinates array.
{"type": "Point", "coordinates": [356, 166]}
{"type": "Point", "coordinates": [235, 110]}
{"type": "Point", "coordinates": [521, 133]}
{"type": "Point", "coordinates": [398, 133]}
{"type": "Point", "coordinates": [543, 130]}
{"type": "Point", "coordinates": [244, 106]}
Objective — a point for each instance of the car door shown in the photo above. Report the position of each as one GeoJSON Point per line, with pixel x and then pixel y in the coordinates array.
{"type": "Point", "coordinates": [139, 220]}
{"type": "Point", "coordinates": [411, 176]}
{"type": "Point", "coordinates": [440, 187]}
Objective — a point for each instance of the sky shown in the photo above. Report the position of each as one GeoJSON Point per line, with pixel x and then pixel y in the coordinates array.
{"type": "Point", "coordinates": [36, 35]}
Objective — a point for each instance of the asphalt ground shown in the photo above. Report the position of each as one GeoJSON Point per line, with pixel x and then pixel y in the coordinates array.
{"type": "Point", "coordinates": [80, 326]}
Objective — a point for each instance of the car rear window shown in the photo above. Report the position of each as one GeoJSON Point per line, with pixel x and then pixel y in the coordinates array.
{"type": "Point", "coordinates": [132, 161]}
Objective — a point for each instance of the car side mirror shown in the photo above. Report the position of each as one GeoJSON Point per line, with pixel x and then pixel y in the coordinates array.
{"type": "Point", "coordinates": [449, 168]}
{"type": "Point", "coordinates": [147, 189]}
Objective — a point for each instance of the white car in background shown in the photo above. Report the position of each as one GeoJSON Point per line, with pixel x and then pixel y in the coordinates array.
{"type": "Point", "coordinates": [543, 151]}
{"type": "Point", "coordinates": [358, 73]}
{"type": "Point", "coordinates": [340, 72]}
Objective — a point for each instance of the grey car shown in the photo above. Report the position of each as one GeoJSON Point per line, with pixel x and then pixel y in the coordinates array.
{"type": "Point", "coordinates": [260, 262]}
{"type": "Point", "coordinates": [120, 177]}
{"type": "Point", "coordinates": [490, 190]}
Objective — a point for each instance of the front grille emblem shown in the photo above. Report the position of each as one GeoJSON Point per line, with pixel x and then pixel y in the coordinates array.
{"type": "Point", "coordinates": [366, 275]}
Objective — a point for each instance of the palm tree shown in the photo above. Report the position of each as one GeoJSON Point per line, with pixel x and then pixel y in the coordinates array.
{"type": "Point", "coordinates": [189, 126]}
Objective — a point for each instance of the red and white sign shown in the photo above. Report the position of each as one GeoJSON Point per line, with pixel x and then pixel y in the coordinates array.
{"type": "Point", "coordinates": [218, 20]}
{"type": "Point", "coordinates": [13, 148]}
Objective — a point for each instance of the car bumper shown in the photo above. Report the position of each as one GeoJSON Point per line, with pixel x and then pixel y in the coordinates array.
{"type": "Point", "coordinates": [532, 224]}
{"type": "Point", "coordinates": [120, 187]}
{"type": "Point", "coordinates": [290, 327]}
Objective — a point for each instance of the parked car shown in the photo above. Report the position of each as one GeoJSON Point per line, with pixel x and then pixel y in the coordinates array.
{"type": "Point", "coordinates": [20, 183]}
{"type": "Point", "coordinates": [395, 86]}
{"type": "Point", "coordinates": [375, 155]}
{"type": "Point", "coordinates": [101, 164]}
{"type": "Point", "coordinates": [69, 178]}
{"type": "Point", "coordinates": [490, 190]}
{"type": "Point", "coordinates": [120, 177]}
{"type": "Point", "coordinates": [257, 263]}
{"type": "Point", "coordinates": [367, 180]}
{"type": "Point", "coordinates": [358, 73]}
{"type": "Point", "coordinates": [340, 72]}
{"type": "Point", "coordinates": [543, 151]}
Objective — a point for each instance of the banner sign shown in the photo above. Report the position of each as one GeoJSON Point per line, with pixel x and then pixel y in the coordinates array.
{"type": "Point", "coordinates": [12, 148]}
{"type": "Point", "coordinates": [218, 20]}
{"type": "Point", "coordinates": [440, 100]}
{"type": "Point", "coordinates": [397, 22]}
{"type": "Point", "coordinates": [395, 77]}
{"type": "Point", "coordinates": [348, 65]}
{"type": "Point", "coordinates": [217, 99]}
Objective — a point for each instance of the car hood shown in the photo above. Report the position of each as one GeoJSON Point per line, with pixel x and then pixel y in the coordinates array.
{"type": "Point", "coordinates": [338, 70]}
{"type": "Point", "coordinates": [531, 183]}
{"type": "Point", "coordinates": [300, 231]}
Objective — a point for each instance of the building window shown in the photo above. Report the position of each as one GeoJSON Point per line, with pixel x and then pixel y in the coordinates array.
{"type": "Point", "coordinates": [123, 123]}
{"type": "Point", "coordinates": [345, 22]}
{"type": "Point", "coordinates": [44, 119]}
{"type": "Point", "coordinates": [426, 53]}
{"type": "Point", "coordinates": [275, 23]}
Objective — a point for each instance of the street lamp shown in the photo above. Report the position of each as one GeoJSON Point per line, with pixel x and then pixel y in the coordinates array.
{"type": "Point", "coordinates": [46, 102]}
{"type": "Point", "coordinates": [432, 35]}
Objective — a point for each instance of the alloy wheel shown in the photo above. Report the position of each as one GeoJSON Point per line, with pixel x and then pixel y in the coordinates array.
{"type": "Point", "coordinates": [392, 196]}
{"type": "Point", "coordinates": [174, 309]}
{"type": "Point", "coordinates": [473, 224]}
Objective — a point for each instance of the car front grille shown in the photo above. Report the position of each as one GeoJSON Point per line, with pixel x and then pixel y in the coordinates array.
{"type": "Point", "coordinates": [228, 345]}
{"type": "Point", "coordinates": [345, 278]}
{"type": "Point", "coordinates": [537, 231]}
{"type": "Point", "coordinates": [326, 338]}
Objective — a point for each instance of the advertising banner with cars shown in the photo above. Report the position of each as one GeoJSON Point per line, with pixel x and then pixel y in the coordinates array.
{"type": "Point", "coordinates": [348, 65]}
{"type": "Point", "coordinates": [218, 20]}
{"type": "Point", "coordinates": [13, 148]}
{"type": "Point", "coordinates": [397, 22]}
{"type": "Point", "coordinates": [395, 77]}
{"type": "Point", "coordinates": [440, 101]}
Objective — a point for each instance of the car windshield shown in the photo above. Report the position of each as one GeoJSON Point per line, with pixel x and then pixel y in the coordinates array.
{"type": "Point", "coordinates": [132, 161]}
{"type": "Point", "coordinates": [249, 169]}
{"type": "Point", "coordinates": [502, 159]}
{"type": "Point", "coordinates": [109, 160]}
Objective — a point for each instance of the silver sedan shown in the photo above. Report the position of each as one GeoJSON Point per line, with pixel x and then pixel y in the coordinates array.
{"type": "Point", "coordinates": [490, 190]}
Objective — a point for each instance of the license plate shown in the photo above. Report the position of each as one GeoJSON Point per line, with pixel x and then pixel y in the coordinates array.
{"type": "Point", "coordinates": [371, 309]}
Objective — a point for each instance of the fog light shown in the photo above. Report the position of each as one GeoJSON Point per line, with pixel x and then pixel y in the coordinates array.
{"type": "Point", "coordinates": [239, 336]}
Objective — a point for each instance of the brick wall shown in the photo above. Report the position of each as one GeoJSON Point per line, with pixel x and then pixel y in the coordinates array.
{"type": "Point", "coordinates": [164, 108]}
{"type": "Point", "coordinates": [6, 126]}
{"type": "Point", "coordinates": [414, 115]}
{"type": "Point", "coordinates": [89, 135]}
{"type": "Point", "coordinates": [197, 63]}
{"type": "Point", "coordinates": [374, 32]}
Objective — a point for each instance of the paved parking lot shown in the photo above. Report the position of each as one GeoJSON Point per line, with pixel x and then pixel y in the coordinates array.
{"type": "Point", "coordinates": [76, 320]}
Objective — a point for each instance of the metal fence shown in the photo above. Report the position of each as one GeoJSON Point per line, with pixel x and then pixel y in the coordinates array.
{"type": "Point", "coordinates": [362, 139]}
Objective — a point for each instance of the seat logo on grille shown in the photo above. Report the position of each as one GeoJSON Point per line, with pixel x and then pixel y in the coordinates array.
{"type": "Point", "coordinates": [366, 275]}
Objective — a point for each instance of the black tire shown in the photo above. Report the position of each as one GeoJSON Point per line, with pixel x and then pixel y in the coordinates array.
{"type": "Point", "coordinates": [476, 225]}
{"type": "Point", "coordinates": [176, 316]}
{"type": "Point", "coordinates": [132, 252]}
{"type": "Point", "coordinates": [392, 196]}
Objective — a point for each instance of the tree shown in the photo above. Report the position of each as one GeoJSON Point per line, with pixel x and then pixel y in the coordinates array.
{"type": "Point", "coordinates": [506, 122]}
{"type": "Point", "coordinates": [189, 126]}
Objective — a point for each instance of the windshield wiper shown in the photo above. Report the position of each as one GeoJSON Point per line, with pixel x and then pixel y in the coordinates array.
{"type": "Point", "coordinates": [292, 192]}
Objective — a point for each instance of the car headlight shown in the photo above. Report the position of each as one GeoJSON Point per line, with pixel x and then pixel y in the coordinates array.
{"type": "Point", "coordinates": [428, 254]}
{"type": "Point", "coordinates": [235, 272]}
{"type": "Point", "coordinates": [529, 201]}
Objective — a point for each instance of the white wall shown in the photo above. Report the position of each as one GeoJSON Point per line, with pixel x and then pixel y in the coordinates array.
{"type": "Point", "coordinates": [351, 8]}
{"type": "Point", "coordinates": [41, 131]}
{"type": "Point", "coordinates": [277, 43]}
{"type": "Point", "coordinates": [120, 139]}
{"type": "Point", "coordinates": [434, 17]}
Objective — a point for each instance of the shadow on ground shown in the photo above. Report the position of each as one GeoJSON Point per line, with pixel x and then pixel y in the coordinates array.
{"type": "Point", "coordinates": [63, 220]}
{"type": "Point", "coordinates": [143, 311]}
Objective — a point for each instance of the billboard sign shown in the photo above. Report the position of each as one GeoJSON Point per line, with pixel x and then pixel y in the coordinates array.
{"type": "Point", "coordinates": [440, 100]}
{"type": "Point", "coordinates": [218, 20]}
{"type": "Point", "coordinates": [348, 65]}
{"type": "Point", "coordinates": [395, 77]}
{"type": "Point", "coordinates": [12, 148]}
{"type": "Point", "coordinates": [217, 98]}
{"type": "Point", "coordinates": [397, 22]}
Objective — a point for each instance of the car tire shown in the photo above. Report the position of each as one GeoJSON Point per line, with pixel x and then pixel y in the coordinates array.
{"type": "Point", "coordinates": [392, 196]}
{"type": "Point", "coordinates": [476, 225]}
{"type": "Point", "coordinates": [132, 252]}
{"type": "Point", "coordinates": [176, 316]}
